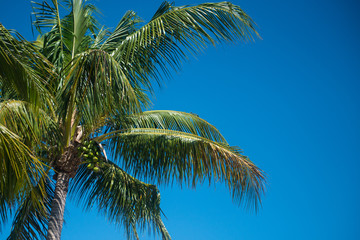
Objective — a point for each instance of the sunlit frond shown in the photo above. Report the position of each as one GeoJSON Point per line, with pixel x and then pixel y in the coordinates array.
{"type": "Point", "coordinates": [18, 169]}
{"type": "Point", "coordinates": [175, 32]}
{"type": "Point", "coordinates": [171, 120]}
{"type": "Point", "coordinates": [34, 125]}
{"type": "Point", "coordinates": [79, 22]}
{"type": "Point", "coordinates": [44, 15]}
{"type": "Point", "coordinates": [97, 87]}
{"type": "Point", "coordinates": [127, 25]}
{"type": "Point", "coordinates": [99, 38]}
{"type": "Point", "coordinates": [23, 71]}
{"type": "Point", "coordinates": [165, 155]}
{"type": "Point", "coordinates": [47, 17]}
{"type": "Point", "coordinates": [120, 197]}
{"type": "Point", "coordinates": [17, 161]}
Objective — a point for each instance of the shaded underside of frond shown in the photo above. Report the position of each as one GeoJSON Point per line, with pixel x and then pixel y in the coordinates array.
{"type": "Point", "coordinates": [31, 218]}
{"type": "Point", "coordinates": [7, 206]}
{"type": "Point", "coordinates": [166, 155]}
{"type": "Point", "coordinates": [120, 197]}
{"type": "Point", "coordinates": [19, 169]}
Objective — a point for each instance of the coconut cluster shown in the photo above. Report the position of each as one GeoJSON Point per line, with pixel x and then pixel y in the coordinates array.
{"type": "Point", "coordinates": [91, 154]}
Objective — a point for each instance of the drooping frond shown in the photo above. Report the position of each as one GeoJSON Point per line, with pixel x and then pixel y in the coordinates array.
{"type": "Point", "coordinates": [120, 197]}
{"type": "Point", "coordinates": [31, 218]}
{"type": "Point", "coordinates": [33, 125]}
{"type": "Point", "coordinates": [174, 32]}
{"type": "Point", "coordinates": [23, 71]}
{"type": "Point", "coordinates": [165, 155]}
{"type": "Point", "coordinates": [170, 120]}
{"type": "Point", "coordinates": [17, 161]}
{"type": "Point", "coordinates": [18, 169]}
{"type": "Point", "coordinates": [7, 206]}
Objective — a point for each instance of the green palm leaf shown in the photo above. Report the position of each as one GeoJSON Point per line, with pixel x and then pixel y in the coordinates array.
{"type": "Point", "coordinates": [31, 218]}
{"type": "Point", "coordinates": [19, 168]}
{"type": "Point", "coordinates": [120, 197]}
{"type": "Point", "coordinates": [173, 32]}
{"type": "Point", "coordinates": [89, 77]}
{"type": "Point", "coordinates": [33, 124]}
{"type": "Point", "coordinates": [162, 156]}
{"type": "Point", "coordinates": [79, 22]}
{"type": "Point", "coordinates": [171, 120]}
{"type": "Point", "coordinates": [128, 24]}
{"type": "Point", "coordinates": [23, 72]}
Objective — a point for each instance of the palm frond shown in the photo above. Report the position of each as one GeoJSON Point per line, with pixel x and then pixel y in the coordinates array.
{"type": "Point", "coordinates": [166, 155]}
{"type": "Point", "coordinates": [96, 87]}
{"type": "Point", "coordinates": [79, 22]}
{"type": "Point", "coordinates": [31, 218]}
{"type": "Point", "coordinates": [7, 206]}
{"type": "Point", "coordinates": [120, 197]}
{"type": "Point", "coordinates": [99, 38]}
{"type": "Point", "coordinates": [19, 168]}
{"type": "Point", "coordinates": [34, 125]}
{"type": "Point", "coordinates": [174, 32]}
{"type": "Point", "coordinates": [170, 120]}
{"type": "Point", "coordinates": [23, 71]}
{"type": "Point", "coordinates": [47, 16]}
{"type": "Point", "coordinates": [127, 25]}
{"type": "Point", "coordinates": [18, 163]}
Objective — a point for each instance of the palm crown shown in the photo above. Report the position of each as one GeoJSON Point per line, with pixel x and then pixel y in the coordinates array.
{"type": "Point", "coordinates": [74, 103]}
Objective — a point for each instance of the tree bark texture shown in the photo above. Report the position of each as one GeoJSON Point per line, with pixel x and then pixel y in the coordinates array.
{"type": "Point", "coordinates": [58, 207]}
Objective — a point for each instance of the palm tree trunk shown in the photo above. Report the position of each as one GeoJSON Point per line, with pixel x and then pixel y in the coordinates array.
{"type": "Point", "coordinates": [58, 206]}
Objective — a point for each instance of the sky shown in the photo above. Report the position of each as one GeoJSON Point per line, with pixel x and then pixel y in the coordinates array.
{"type": "Point", "coordinates": [290, 100]}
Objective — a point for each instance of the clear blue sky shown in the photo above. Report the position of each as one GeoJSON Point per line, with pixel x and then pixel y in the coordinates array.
{"type": "Point", "coordinates": [290, 101]}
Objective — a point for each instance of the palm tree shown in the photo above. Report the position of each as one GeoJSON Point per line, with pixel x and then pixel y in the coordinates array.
{"type": "Point", "coordinates": [73, 106]}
